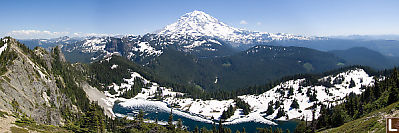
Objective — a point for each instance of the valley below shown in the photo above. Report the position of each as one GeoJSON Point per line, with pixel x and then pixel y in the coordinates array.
{"type": "Point", "coordinates": [279, 107]}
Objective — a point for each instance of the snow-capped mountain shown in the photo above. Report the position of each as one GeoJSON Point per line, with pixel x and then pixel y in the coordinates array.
{"type": "Point", "coordinates": [196, 33]}
{"type": "Point", "coordinates": [198, 23]}
{"type": "Point", "coordinates": [143, 48]}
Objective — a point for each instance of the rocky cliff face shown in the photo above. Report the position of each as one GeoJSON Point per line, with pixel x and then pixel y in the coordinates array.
{"type": "Point", "coordinates": [27, 85]}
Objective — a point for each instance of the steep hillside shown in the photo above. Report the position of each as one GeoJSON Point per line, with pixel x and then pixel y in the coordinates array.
{"type": "Point", "coordinates": [365, 112]}
{"type": "Point", "coordinates": [258, 65]}
{"type": "Point", "coordinates": [296, 99]}
{"type": "Point", "coordinates": [366, 57]}
{"type": "Point", "coordinates": [28, 85]}
{"type": "Point", "coordinates": [38, 88]}
{"type": "Point", "coordinates": [372, 122]}
{"type": "Point", "coordinates": [40, 92]}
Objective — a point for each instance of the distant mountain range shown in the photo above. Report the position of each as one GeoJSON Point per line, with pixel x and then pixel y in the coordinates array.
{"type": "Point", "coordinates": [368, 37]}
{"type": "Point", "coordinates": [199, 50]}
{"type": "Point", "coordinates": [366, 57]}
{"type": "Point", "coordinates": [198, 32]}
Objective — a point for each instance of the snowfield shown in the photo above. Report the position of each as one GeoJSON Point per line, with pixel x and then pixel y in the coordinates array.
{"type": "Point", "coordinates": [336, 94]}
{"type": "Point", "coordinates": [205, 110]}
{"type": "Point", "coordinates": [145, 47]}
{"type": "Point", "coordinates": [94, 44]}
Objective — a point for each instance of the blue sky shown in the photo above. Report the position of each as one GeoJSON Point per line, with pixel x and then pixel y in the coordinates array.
{"type": "Point", "coordinates": [52, 18]}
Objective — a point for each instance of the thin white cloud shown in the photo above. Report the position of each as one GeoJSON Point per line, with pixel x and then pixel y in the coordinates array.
{"type": "Point", "coordinates": [80, 34]}
{"type": "Point", "coordinates": [259, 23]}
{"type": "Point", "coordinates": [29, 34]}
{"type": "Point", "coordinates": [243, 22]}
{"type": "Point", "coordinates": [44, 34]}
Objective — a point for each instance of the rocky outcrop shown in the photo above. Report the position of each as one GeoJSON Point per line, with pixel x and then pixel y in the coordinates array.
{"type": "Point", "coordinates": [29, 87]}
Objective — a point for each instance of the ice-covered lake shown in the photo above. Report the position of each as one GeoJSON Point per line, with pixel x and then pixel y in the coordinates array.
{"type": "Point", "coordinates": [152, 113]}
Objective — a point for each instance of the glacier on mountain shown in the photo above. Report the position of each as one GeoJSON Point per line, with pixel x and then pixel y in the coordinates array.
{"type": "Point", "coordinates": [198, 23]}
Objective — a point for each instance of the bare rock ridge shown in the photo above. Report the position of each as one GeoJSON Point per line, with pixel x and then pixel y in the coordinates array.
{"type": "Point", "coordinates": [27, 85]}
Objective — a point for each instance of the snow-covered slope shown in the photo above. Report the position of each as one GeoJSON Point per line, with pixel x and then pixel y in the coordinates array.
{"type": "Point", "coordinates": [198, 23]}
{"type": "Point", "coordinates": [330, 91]}
{"type": "Point", "coordinates": [142, 49]}
{"type": "Point", "coordinates": [338, 87]}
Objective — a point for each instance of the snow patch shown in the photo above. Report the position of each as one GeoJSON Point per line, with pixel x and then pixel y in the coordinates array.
{"type": "Point", "coordinates": [114, 66]}
{"type": "Point", "coordinates": [146, 48]}
{"type": "Point", "coordinates": [4, 47]}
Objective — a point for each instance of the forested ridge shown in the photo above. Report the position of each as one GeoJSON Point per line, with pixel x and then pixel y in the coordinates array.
{"type": "Point", "coordinates": [103, 76]}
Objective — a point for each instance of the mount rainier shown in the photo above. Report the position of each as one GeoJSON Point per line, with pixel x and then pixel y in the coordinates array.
{"type": "Point", "coordinates": [198, 23]}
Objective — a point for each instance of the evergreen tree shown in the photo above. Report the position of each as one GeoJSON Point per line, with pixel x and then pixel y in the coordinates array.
{"type": "Point", "coordinates": [299, 89]}
{"type": "Point", "coordinates": [220, 126]}
{"type": "Point", "coordinates": [337, 117]}
{"type": "Point", "coordinates": [291, 91]}
{"type": "Point", "coordinates": [180, 124]}
{"type": "Point", "coordinates": [280, 113]}
{"type": "Point", "coordinates": [270, 109]}
{"type": "Point", "coordinates": [278, 130]}
{"type": "Point", "coordinates": [301, 127]}
{"type": "Point", "coordinates": [352, 83]}
{"type": "Point", "coordinates": [243, 105]}
{"type": "Point", "coordinates": [140, 116]}
{"type": "Point", "coordinates": [226, 130]}
{"type": "Point", "coordinates": [213, 126]}
{"type": "Point", "coordinates": [196, 130]}
{"type": "Point", "coordinates": [204, 130]}
{"type": "Point", "coordinates": [265, 130]}
{"type": "Point", "coordinates": [170, 121]}
{"type": "Point", "coordinates": [294, 104]}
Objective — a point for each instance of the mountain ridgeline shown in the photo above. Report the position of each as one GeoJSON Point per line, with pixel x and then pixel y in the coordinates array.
{"type": "Point", "coordinates": [38, 86]}
{"type": "Point", "coordinates": [254, 66]}
{"type": "Point", "coordinates": [366, 57]}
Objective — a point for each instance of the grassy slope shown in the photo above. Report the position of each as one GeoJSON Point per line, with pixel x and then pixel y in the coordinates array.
{"type": "Point", "coordinates": [373, 122]}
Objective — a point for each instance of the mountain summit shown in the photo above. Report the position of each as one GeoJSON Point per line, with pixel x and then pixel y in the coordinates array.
{"type": "Point", "coordinates": [198, 23]}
